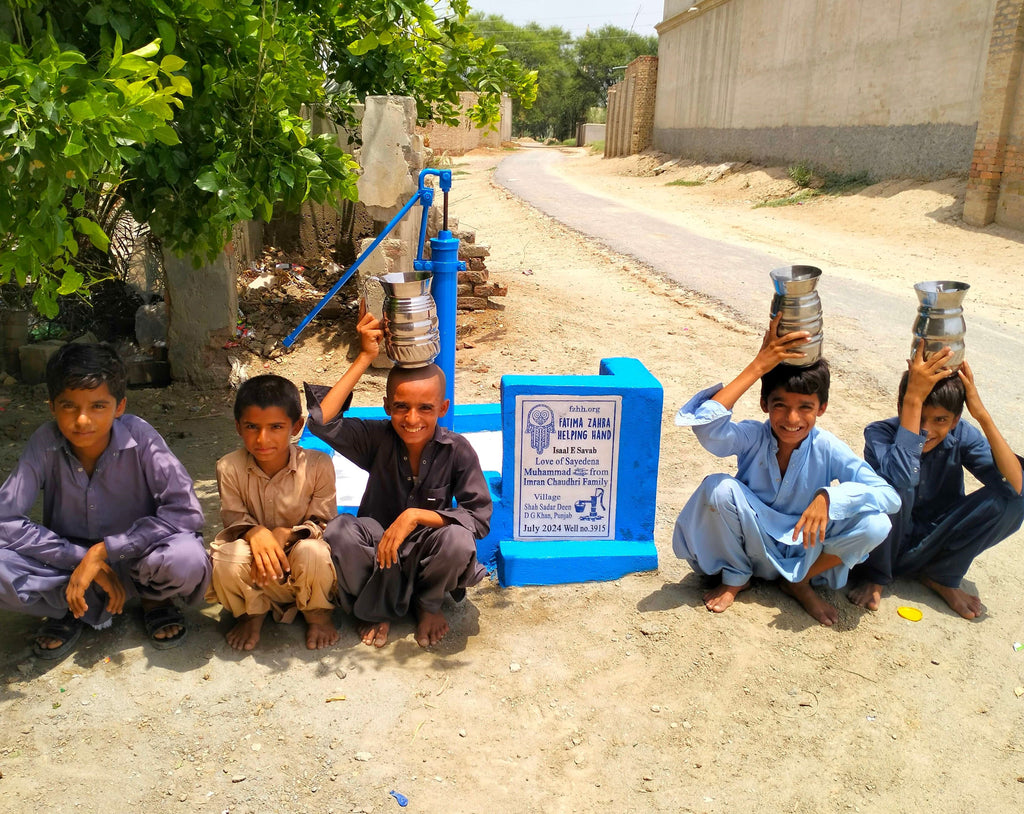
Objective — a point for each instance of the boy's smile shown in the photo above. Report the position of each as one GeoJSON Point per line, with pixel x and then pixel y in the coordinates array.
{"type": "Point", "coordinates": [415, 408]}
{"type": "Point", "coordinates": [792, 415]}
{"type": "Point", "coordinates": [85, 418]}
{"type": "Point", "coordinates": [266, 434]}
{"type": "Point", "coordinates": [936, 422]}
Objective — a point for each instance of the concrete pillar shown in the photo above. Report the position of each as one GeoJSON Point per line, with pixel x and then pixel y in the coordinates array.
{"type": "Point", "coordinates": [996, 141]}
{"type": "Point", "coordinates": [202, 307]}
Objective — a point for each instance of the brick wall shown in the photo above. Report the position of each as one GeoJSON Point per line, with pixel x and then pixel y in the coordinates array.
{"type": "Point", "coordinates": [630, 126]}
{"type": "Point", "coordinates": [995, 185]}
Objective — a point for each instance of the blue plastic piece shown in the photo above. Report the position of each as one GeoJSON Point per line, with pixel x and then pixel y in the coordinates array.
{"type": "Point", "coordinates": [403, 801]}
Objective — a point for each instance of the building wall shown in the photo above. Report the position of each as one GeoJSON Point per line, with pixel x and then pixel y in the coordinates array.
{"type": "Point", "coordinates": [995, 186]}
{"type": "Point", "coordinates": [630, 125]}
{"type": "Point", "coordinates": [465, 136]}
{"type": "Point", "coordinates": [891, 87]}
{"type": "Point", "coordinates": [587, 134]}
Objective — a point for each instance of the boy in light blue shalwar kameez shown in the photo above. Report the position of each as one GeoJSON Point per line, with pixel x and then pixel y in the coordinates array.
{"type": "Point", "coordinates": [801, 506]}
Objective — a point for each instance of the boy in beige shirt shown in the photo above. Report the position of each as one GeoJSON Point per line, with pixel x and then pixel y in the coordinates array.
{"type": "Point", "coordinates": [275, 500]}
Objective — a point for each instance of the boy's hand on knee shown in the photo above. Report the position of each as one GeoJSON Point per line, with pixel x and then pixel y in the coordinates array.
{"type": "Point", "coordinates": [94, 568]}
{"type": "Point", "coordinates": [813, 522]}
{"type": "Point", "coordinates": [394, 536]}
{"type": "Point", "coordinates": [109, 581]}
{"type": "Point", "coordinates": [269, 561]}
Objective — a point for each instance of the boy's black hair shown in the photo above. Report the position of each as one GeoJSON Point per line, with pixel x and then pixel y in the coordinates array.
{"type": "Point", "coordinates": [86, 366]}
{"type": "Point", "coordinates": [812, 380]}
{"type": "Point", "coordinates": [268, 390]}
{"type": "Point", "coordinates": [948, 394]}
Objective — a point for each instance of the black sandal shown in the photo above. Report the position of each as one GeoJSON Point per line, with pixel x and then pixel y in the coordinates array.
{"type": "Point", "coordinates": [67, 630]}
{"type": "Point", "coordinates": [160, 618]}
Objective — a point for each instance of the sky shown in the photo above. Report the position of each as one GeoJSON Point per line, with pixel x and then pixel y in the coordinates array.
{"type": "Point", "coordinates": [576, 15]}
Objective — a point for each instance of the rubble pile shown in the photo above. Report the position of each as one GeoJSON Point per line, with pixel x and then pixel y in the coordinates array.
{"type": "Point", "coordinates": [277, 291]}
{"type": "Point", "coordinates": [274, 295]}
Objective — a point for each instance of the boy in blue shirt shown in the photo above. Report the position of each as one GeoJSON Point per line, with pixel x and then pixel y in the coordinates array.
{"type": "Point", "coordinates": [923, 453]}
{"type": "Point", "coordinates": [802, 506]}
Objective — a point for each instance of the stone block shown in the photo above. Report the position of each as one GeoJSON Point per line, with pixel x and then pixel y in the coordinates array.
{"type": "Point", "coordinates": [388, 125]}
{"type": "Point", "coordinates": [33, 359]}
{"type": "Point", "coordinates": [467, 250]}
{"type": "Point", "coordinates": [472, 303]}
{"type": "Point", "coordinates": [473, 277]}
{"type": "Point", "coordinates": [476, 264]}
{"type": "Point", "coordinates": [490, 290]}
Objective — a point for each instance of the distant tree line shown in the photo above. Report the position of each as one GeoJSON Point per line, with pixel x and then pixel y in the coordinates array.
{"type": "Point", "coordinates": [573, 75]}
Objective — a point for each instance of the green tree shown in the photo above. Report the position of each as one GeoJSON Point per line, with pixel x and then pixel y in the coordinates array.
{"type": "Point", "coordinates": [600, 55]}
{"type": "Point", "coordinates": [545, 51]}
{"type": "Point", "coordinates": [572, 75]}
{"type": "Point", "coordinates": [400, 47]}
{"type": "Point", "coordinates": [190, 112]}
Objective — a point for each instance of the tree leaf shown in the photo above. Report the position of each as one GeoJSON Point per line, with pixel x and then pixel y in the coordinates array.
{"type": "Point", "coordinates": [68, 58]}
{"type": "Point", "coordinates": [171, 63]}
{"type": "Point", "coordinates": [167, 34]}
{"type": "Point", "coordinates": [70, 282]}
{"type": "Point", "coordinates": [146, 51]}
{"type": "Point", "coordinates": [81, 110]}
{"type": "Point", "coordinates": [208, 182]}
{"type": "Point", "coordinates": [165, 135]}
{"type": "Point", "coordinates": [91, 230]}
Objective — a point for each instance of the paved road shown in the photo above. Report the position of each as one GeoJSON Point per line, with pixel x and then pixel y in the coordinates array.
{"type": "Point", "coordinates": [867, 333]}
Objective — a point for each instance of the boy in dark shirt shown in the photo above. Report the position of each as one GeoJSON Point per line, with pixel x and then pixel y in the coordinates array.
{"type": "Point", "coordinates": [923, 453]}
{"type": "Point", "coordinates": [409, 545]}
{"type": "Point", "coordinates": [120, 518]}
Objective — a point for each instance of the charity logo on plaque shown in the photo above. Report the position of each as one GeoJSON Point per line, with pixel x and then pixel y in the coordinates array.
{"type": "Point", "coordinates": [567, 454]}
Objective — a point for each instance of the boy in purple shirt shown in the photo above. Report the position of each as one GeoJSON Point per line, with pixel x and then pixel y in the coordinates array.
{"type": "Point", "coordinates": [120, 518]}
{"type": "Point", "coordinates": [923, 453]}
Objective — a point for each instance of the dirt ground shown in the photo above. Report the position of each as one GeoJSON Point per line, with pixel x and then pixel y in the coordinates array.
{"type": "Point", "coordinates": [623, 696]}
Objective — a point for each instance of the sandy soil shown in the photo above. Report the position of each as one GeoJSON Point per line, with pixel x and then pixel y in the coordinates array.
{"type": "Point", "coordinates": [620, 696]}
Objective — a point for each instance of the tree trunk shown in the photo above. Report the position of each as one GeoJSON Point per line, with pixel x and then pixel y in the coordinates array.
{"type": "Point", "coordinates": [202, 310]}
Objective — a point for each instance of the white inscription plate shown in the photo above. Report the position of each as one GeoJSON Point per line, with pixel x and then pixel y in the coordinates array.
{"type": "Point", "coordinates": [567, 458]}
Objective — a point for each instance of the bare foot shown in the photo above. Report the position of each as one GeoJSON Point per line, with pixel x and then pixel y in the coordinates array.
{"type": "Point", "coordinates": [375, 635]}
{"type": "Point", "coordinates": [320, 630]}
{"type": "Point", "coordinates": [430, 628]}
{"type": "Point", "coordinates": [721, 597]}
{"type": "Point", "coordinates": [817, 607]}
{"type": "Point", "coordinates": [867, 595]}
{"type": "Point", "coordinates": [967, 605]}
{"type": "Point", "coordinates": [246, 634]}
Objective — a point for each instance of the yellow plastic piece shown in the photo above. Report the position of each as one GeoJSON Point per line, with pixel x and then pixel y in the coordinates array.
{"type": "Point", "coordinates": [911, 614]}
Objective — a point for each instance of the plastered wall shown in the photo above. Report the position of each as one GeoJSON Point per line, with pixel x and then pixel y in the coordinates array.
{"type": "Point", "coordinates": [891, 87]}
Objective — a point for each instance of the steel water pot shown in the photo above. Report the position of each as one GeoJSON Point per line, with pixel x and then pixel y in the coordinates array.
{"type": "Point", "coordinates": [411, 337]}
{"type": "Point", "coordinates": [940, 319]}
{"type": "Point", "coordinates": [797, 298]}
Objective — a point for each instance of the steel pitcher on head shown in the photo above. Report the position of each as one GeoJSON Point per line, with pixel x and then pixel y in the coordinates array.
{"type": "Point", "coordinates": [940, 319]}
{"type": "Point", "coordinates": [411, 337]}
{"type": "Point", "coordinates": [797, 298]}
